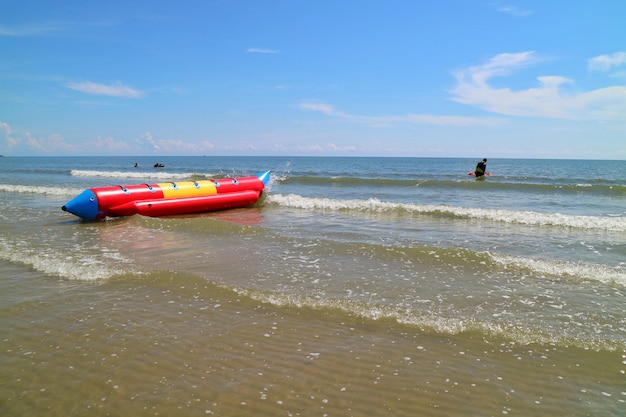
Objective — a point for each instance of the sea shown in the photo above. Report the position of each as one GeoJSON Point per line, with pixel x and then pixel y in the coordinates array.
{"type": "Point", "coordinates": [353, 287]}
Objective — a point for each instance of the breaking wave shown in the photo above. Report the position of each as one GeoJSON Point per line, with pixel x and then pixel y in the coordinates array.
{"type": "Point", "coordinates": [139, 175]}
{"type": "Point", "coordinates": [429, 322]}
{"type": "Point", "coordinates": [612, 224]}
{"type": "Point", "coordinates": [33, 189]}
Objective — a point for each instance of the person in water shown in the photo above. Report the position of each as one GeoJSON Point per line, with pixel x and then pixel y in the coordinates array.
{"type": "Point", "coordinates": [481, 168]}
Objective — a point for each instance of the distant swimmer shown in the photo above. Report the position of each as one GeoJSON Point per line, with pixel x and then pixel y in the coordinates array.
{"type": "Point", "coordinates": [157, 165]}
{"type": "Point", "coordinates": [136, 165]}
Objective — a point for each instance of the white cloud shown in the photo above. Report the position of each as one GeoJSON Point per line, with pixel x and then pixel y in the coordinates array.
{"type": "Point", "coordinates": [51, 27]}
{"type": "Point", "coordinates": [147, 137]}
{"type": "Point", "coordinates": [109, 144]}
{"type": "Point", "coordinates": [333, 147]}
{"type": "Point", "coordinates": [54, 143]}
{"type": "Point", "coordinates": [115, 90]}
{"type": "Point", "coordinates": [502, 64]}
{"type": "Point", "coordinates": [5, 134]}
{"type": "Point", "coordinates": [261, 51]}
{"type": "Point", "coordinates": [147, 144]}
{"type": "Point", "coordinates": [174, 146]}
{"type": "Point", "coordinates": [318, 107]}
{"type": "Point", "coordinates": [177, 147]}
{"type": "Point", "coordinates": [57, 144]}
{"type": "Point", "coordinates": [515, 11]}
{"type": "Point", "coordinates": [606, 62]}
{"type": "Point", "coordinates": [5, 129]}
{"type": "Point", "coordinates": [28, 30]}
{"type": "Point", "coordinates": [47, 145]}
{"type": "Point", "coordinates": [386, 121]}
{"type": "Point", "coordinates": [544, 100]}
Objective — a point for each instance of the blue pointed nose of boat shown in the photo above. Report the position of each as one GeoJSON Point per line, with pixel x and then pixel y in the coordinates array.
{"type": "Point", "coordinates": [264, 176]}
{"type": "Point", "coordinates": [84, 205]}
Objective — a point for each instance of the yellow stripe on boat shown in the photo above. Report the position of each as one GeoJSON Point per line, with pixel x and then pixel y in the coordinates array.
{"type": "Point", "coordinates": [187, 189]}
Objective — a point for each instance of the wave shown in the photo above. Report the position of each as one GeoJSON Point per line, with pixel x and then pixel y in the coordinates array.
{"type": "Point", "coordinates": [139, 175]}
{"type": "Point", "coordinates": [33, 189]}
{"type": "Point", "coordinates": [517, 184]}
{"type": "Point", "coordinates": [110, 263]}
{"type": "Point", "coordinates": [428, 321]}
{"type": "Point", "coordinates": [79, 268]}
{"type": "Point", "coordinates": [373, 205]}
{"type": "Point", "coordinates": [562, 269]}
{"type": "Point", "coordinates": [536, 267]}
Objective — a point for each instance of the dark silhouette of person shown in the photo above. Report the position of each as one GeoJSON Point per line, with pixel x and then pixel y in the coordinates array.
{"type": "Point", "coordinates": [481, 168]}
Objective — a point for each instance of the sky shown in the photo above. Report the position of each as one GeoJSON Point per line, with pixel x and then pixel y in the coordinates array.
{"type": "Point", "coordinates": [438, 78]}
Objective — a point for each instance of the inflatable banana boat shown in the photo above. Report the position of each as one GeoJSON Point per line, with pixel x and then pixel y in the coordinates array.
{"type": "Point", "coordinates": [169, 198]}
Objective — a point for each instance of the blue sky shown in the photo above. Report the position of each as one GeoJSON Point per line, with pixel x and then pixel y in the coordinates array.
{"type": "Point", "coordinates": [446, 78]}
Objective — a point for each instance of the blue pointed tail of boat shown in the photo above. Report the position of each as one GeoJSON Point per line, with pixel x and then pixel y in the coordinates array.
{"type": "Point", "coordinates": [264, 176]}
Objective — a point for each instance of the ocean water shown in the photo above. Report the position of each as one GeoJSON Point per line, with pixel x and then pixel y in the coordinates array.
{"type": "Point", "coordinates": [354, 287]}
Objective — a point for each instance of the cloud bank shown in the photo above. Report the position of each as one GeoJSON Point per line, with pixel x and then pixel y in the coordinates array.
{"type": "Point", "coordinates": [53, 144]}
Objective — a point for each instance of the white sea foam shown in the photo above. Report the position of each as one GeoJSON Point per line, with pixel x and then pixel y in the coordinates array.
{"type": "Point", "coordinates": [616, 224]}
{"type": "Point", "coordinates": [32, 189]}
{"type": "Point", "coordinates": [578, 270]}
{"type": "Point", "coordinates": [427, 322]}
{"type": "Point", "coordinates": [139, 175]}
{"type": "Point", "coordinates": [276, 178]}
{"type": "Point", "coordinates": [82, 267]}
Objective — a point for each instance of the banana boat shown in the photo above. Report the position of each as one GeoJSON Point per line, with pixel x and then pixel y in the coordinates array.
{"type": "Point", "coordinates": [168, 198]}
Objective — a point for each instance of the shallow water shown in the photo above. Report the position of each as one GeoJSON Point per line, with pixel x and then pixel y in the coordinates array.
{"type": "Point", "coordinates": [357, 286]}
